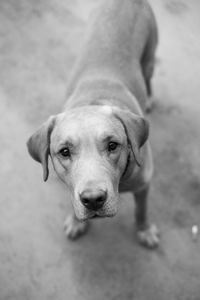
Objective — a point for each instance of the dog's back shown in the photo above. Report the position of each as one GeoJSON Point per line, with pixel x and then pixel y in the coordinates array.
{"type": "Point", "coordinates": [119, 37]}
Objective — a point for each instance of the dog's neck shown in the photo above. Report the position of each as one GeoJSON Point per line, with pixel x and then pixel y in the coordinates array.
{"type": "Point", "coordinates": [103, 92]}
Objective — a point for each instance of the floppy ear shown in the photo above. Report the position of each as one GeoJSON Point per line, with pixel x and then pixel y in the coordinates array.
{"type": "Point", "coordinates": [39, 145]}
{"type": "Point", "coordinates": [136, 128]}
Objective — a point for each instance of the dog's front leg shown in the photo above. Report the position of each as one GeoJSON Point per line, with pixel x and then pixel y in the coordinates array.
{"type": "Point", "coordinates": [148, 235]}
{"type": "Point", "coordinates": [74, 228]}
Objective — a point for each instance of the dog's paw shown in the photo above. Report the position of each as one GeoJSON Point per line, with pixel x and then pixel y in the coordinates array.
{"type": "Point", "coordinates": [150, 237]}
{"type": "Point", "coordinates": [74, 228]}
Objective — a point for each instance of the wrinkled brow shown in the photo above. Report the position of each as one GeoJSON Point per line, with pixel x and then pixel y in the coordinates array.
{"type": "Point", "coordinates": [107, 137]}
{"type": "Point", "coordinates": [68, 142]}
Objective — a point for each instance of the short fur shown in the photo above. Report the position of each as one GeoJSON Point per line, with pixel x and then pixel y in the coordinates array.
{"type": "Point", "coordinates": [107, 93]}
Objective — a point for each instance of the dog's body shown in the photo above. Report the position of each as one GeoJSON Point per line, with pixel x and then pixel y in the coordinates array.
{"type": "Point", "coordinates": [94, 144]}
{"type": "Point", "coordinates": [119, 48]}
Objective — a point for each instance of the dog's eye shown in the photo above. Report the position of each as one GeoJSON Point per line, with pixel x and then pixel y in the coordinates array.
{"type": "Point", "coordinates": [65, 152]}
{"type": "Point", "coordinates": [112, 146]}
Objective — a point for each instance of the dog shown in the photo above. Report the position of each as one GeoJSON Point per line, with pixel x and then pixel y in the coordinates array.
{"type": "Point", "coordinates": [99, 144]}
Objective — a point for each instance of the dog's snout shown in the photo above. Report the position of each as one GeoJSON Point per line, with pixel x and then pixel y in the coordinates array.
{"type": "Point", "coordinates": [93, 199]}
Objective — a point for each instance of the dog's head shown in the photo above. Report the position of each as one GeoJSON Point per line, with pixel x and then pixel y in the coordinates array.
{"type": "Point", "coordinates": [91, 149]}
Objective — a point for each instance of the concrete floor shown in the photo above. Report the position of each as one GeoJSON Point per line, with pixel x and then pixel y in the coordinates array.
{"type": "Point", "coordinates": [39, 40]}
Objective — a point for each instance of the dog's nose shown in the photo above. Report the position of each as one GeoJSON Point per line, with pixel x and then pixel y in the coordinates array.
{"type": "Point", "coordinates": [93, 200]}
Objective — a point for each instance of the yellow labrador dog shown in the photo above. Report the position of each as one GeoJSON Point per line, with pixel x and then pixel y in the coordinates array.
{"type": "Point", "coordinates": [98, 145]}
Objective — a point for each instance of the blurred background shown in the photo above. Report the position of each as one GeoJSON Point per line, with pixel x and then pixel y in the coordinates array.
{"type": "Point", "coordinates": [39, 42]}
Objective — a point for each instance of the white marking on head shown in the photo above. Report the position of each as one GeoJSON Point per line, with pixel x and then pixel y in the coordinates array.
{"type": "Point", "coordinates": [107, 109]}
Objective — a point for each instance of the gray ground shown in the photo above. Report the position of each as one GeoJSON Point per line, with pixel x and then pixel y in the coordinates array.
{"type": "Point", "coordinates": [39, 40]}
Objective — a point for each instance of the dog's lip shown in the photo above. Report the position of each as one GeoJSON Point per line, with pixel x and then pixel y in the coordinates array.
{"type": "Point", "coordinates": [96, 216]}
{"type": "Point", "coordinates": [101, 214]}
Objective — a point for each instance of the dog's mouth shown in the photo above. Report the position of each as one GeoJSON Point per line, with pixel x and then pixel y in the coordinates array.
{"type": "Point", "coordinates": [98, 214]}
{"type": "Point", "coordinates": [95, 215]}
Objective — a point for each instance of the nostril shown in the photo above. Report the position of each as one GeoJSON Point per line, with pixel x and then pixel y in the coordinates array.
{"type": "Point", "coordinates": [85, 201]}
{"type": "Point", "coordinates": [100, 199]}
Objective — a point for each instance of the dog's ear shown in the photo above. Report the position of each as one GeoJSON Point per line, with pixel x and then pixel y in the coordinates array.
{"type": "Point", "coordinates": [39, 145]}
{"type": "Point", "coordinates": [136, 128]}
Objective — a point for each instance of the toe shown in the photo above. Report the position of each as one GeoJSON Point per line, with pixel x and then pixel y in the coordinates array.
{"type": "Point", "coordinates": [149, 237]}
{"type": "Point", "coordinates": [73, 228]}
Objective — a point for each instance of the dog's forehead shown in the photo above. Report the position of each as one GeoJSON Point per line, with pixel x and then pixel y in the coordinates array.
{"type": "Point", "coordinates": [87, 121]}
